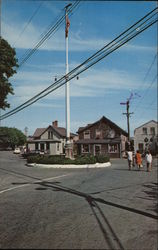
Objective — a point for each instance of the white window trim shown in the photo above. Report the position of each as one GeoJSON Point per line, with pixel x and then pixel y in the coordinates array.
{"type": "Point", "coordinates": [82, 148]}
{"type": "Point", "coordinates": [112, 152]}
{"type": "Point", "coordinates": [86, 136]}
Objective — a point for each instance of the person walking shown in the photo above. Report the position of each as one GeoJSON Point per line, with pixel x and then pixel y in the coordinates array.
{"type": "Point", "coordinates": [138, 159]}
{"type": "Point", "coordinates": [148, 161]}
{"type": "Point", "coordinates": [130, 158]}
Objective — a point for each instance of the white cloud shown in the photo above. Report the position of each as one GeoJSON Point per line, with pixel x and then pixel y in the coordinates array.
{"type": "Point", "coordinates": [93, 83]}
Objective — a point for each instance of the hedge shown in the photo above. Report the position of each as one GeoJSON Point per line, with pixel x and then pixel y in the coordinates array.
{"type": "Point", "coordinates": [57, 159]}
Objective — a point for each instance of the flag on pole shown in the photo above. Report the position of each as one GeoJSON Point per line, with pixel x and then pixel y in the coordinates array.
{"type": "Point", "coordinates": [67, 26]}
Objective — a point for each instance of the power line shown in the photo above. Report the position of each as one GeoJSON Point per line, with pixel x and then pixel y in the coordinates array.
{"type": "Point", "coordinates": [146, 91]}
{"type": "Point", "coordinates": [51, 30]}
{"type": "Point", "coordinates": [147, 73]}
{"type": "Point", "coordinates": [137, 28]}
{"type": "Point", "coordinates": [29, 21]}
{"type": "Point", "coordinates": [62, 80]}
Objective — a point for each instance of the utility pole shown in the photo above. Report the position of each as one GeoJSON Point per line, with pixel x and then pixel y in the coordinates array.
{"type": "Point", "coordinates": [128, 116]}
{"type": "Point", "coordinates": [68, 146]}
{"type": "Point", "coordinates": [128, 113]}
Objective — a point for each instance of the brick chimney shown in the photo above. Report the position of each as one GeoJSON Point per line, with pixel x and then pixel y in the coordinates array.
{"type": "Point", "coordinates": [55, 124]}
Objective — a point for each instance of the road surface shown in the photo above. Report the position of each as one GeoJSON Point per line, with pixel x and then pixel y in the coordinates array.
{"type": "Point", "coordinates": [103, 208]}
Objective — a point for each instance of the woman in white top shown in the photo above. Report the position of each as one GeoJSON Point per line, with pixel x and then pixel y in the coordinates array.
{"type": "Point", "coordinates": [148, 161]}
{"type": "Point", "coordinates": [130, 158]}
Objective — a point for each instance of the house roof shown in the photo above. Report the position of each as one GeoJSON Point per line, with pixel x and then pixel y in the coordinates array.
{"type": "Point", "coordinates": [39, 132]}
{"type": "Point", "coordinates": [146, 124]}
{"type": "Point", "coordinates": [59, 130]}
{"type": "Point", "coordinates": [112, 124]}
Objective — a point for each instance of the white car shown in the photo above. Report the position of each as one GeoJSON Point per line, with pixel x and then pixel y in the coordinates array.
{"type": "Point", "coordinates": [17, 151]}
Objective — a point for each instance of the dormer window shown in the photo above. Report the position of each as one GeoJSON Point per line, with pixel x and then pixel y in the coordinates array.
{"type": "Point", "coordinates": [87, 134]}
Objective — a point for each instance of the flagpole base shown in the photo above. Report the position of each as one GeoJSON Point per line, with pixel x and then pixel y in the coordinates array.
{"type": "Point", "coordinates": [69, 150]}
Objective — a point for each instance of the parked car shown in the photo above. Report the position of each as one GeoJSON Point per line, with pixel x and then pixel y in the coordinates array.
{"type": "Point", "coordinates": [17, 151]}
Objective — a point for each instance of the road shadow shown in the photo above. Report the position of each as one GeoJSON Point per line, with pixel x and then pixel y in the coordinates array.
{"type": "Point", "coordinates": [151, 192]}
{"type": "Point", "coordinates": [104, 225]}
{"type": "Point", "coordinates": [109, 234]}
{"type": "Point", "coordinates": [58, 187]}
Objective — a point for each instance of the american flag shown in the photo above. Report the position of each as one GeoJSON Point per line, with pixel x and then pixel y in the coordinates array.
{"type": "Point", "coordinates": [67, 26]}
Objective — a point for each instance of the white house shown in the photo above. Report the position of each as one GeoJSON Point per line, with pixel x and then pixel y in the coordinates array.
{"type": "Point", "coordinates": [145, 135]}
{"type": "Point", "coordinates": [51, 139]}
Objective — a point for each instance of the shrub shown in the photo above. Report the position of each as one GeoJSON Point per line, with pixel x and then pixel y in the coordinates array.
{"type": "Point", "coordinates": [102, 158]}
{"type": "Point", "coordinates": [58, 159]}
{"type": "Point", "coordinates": [86, 159]}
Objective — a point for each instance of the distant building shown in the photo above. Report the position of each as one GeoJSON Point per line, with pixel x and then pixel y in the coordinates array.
{"type": "Point", "coordinates": [51, 139]}
{"type": "Point", "coordinates": [102, 137]}
{"type": "Point", "coordinates": [145, 136]}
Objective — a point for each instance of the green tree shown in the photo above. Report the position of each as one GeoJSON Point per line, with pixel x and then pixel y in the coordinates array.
{"type": "Point", "coordinates": [8, 63]}
{"type": "Point", "coordinates": [11, 137]}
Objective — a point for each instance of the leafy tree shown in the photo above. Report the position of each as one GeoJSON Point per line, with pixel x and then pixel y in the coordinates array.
{"type": "Point", "coordinates": [11, 137]}
{"type": "Point", "coordinates": [8, 62]}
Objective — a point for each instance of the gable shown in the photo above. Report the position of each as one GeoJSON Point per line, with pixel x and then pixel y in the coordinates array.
{"type": "Point", "coordinates": [147, 124]}
{"type": "Point", "coordinates": [104, 124]}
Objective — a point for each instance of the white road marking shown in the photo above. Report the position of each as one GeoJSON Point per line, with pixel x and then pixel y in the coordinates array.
{"type": "Point", "coordinates": [9, 189]}
{"type": "Point", "coordinates": [51, 178]}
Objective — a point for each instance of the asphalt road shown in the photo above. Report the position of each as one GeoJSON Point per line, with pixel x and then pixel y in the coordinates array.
{"type": "Point", "coordinates": [103, 208]}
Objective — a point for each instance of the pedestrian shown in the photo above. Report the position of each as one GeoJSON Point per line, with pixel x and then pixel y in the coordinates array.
{"type": "Point", "coordinates": [130, 158]}
{"type": "Point", "coordinates": [138, 159]}
{"type": "Point", "coordinates": [148, 161]}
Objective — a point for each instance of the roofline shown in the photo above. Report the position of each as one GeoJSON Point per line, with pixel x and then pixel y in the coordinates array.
{"type": "Point", "coordinates": [103, 117]}
{"type": "Point", "coordinates": [42, 132]}
{"type": "Point", "coordinates": [50, 126]}
{"type": "Point", "coordinates": [145, 124]}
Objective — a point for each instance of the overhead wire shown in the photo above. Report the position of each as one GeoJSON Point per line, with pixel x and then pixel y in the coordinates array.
{"type": "Point", "coordinates": [29, 21]}
{"type": "Point", "coordinates": [146, 91]}
{"type": "Point", "coordinates": [47, 35]}
{"type": "Point", "coordinates": [37, 97]}
{"type": "Point", "coordinates": [97, 56]}
{"type": "Point", "coordinates": [146, 75]}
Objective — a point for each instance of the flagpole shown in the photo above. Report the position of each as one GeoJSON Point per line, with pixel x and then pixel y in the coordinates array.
{"type": "Point", "coordinates": [67, 90]}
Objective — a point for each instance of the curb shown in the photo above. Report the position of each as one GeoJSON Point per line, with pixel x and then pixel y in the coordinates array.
{"type": "Point", "coordinates": [96, 165]}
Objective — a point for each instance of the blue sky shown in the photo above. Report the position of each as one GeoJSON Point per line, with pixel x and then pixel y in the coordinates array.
{"type": "Point", "coordinates": [100, 89]}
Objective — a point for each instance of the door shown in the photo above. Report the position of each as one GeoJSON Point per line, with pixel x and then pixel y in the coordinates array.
{"type": "Point", "coordinates": [97, 149]}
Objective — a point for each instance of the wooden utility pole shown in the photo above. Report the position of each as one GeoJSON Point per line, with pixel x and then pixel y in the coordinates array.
{"type": "Point", "coordinates": [128, 116]}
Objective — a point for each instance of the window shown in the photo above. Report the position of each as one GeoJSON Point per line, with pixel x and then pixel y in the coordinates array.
{"type": "Point", "coordinates": [36, 146]}
{"type": "Point", "coordinates": [152, 131]}
{"type": "Point", "coordinates": [58, 146]}
{"type": "Point", "coordinates": [85, 148]}
{"type": "Point", "coordinates": [47, 146]}
{"type": "Point", "coordinates": [145, 131]}
{"type": "Point", "coordinates": [87, 134]}
{"type": "Point", "coordinates": [50, 134]}
{"type": "Point", "coordinates": [97, 133]}
{"type": "Point", "coordinates": [113, 148]}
